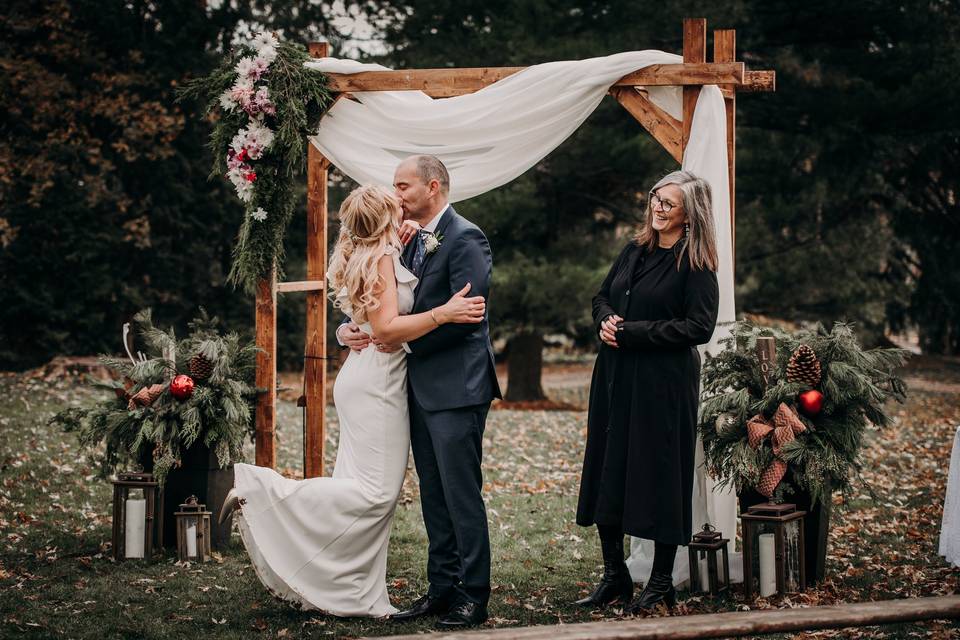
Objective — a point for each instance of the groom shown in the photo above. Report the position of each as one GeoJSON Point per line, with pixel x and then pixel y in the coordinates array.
{"type": "Point", "coordinates": [451, 381]}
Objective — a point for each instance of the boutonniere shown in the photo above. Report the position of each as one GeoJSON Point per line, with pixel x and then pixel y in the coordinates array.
{"type": "Point", "coordinates": [431, 242]}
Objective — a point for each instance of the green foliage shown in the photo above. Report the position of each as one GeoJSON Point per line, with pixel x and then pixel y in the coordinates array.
{"type": "Point", "coordinates": [300, 97]}
{"type": "Point", "coordinates": [219, 413]}
{"type": "Point", "coordinates": [855, 383]}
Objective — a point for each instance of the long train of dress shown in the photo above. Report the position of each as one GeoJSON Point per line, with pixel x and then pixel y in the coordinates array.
{"type": "Point", "coordinates": [321, 543]}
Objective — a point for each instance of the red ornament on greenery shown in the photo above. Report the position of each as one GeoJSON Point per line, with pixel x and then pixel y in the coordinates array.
{"type": "Point", "coordinates": [182, 387]}
{"type": "Point", "coordinates": [250, 176]}
{"type": "Point", "coordinates": [811, 402]}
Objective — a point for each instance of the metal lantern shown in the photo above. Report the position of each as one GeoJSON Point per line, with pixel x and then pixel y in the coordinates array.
{"type": "Point", "coordinates": [709, 571]}
{"type": "Point", "coordinates": [773, 559]}
{"type": "Point", "coordinates": [136, 528]}
{"type": "Point", "coordinates": [193, 531]}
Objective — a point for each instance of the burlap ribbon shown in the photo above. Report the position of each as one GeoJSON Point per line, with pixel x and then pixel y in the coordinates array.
{"type": "Point", "coordinates": [785, 427]}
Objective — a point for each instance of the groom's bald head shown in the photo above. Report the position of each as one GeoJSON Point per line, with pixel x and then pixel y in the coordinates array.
{"type": "Point", "coordinates": [422, 183]}
{"type": "Point", "coordinates": [430, 168]}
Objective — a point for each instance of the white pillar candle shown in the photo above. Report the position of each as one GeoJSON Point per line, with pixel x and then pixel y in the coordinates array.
{"type": "Point", "coordinates": [704, 575]}
{"type": "Point", "coordinates": [768, 565]}
{"type": "Point", "coordinates": [192, 540]}
{"type": "Point", "coordinates": [135, 523]}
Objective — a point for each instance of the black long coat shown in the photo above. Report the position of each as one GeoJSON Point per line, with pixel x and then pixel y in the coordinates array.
{"type": "Point", "coordinates": [641, 429]}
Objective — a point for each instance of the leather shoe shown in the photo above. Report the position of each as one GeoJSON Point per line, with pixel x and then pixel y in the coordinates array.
{"type": "Point", "coordinates": [464, 614]}
{"type": "Point", "coordinates": [614, 587]}
{"type": "Point", "coordinates": [659, 590]}
{"type": "Point", "coordinates": [423, 606]}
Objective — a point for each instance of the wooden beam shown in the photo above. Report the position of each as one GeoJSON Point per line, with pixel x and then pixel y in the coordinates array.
{"type": "Point", "coordinates": [315, 347]}
{"type": "Point", "coordinates": [662, 126]}
{"type": "Point", "coordinates": [301, 285]}
{"type": "Point", "coordinates": [731, 624]}
{"type": "Point", "coordinates": [443, 83]}
{"type": "Point", "coordinates": [725, 48]}
{"type": "Point", "coordinates": [694, 52]}
{"type": "Point", "coordinates": [265, 418]}
{"type": "Point", "coordinates": [758, 81]}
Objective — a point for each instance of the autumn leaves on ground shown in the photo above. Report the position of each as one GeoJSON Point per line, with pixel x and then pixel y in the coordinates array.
{"type": "Point", "coordinates": [57, 578]}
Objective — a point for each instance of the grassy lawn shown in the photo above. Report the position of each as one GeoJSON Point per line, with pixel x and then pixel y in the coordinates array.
{"type": "Point", "coordinates": [57, 578]}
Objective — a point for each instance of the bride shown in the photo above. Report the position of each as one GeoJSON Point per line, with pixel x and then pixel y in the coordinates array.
{"type": "Point", "coordinates": [321, 543]}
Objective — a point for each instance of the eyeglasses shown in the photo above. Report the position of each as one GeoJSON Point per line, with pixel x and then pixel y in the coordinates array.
{"type": "Point", "coordinates": [665, 205]}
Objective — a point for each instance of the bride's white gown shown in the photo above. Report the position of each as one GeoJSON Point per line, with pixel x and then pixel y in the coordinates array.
{"type": "Point", "coordinates": [321, 543]}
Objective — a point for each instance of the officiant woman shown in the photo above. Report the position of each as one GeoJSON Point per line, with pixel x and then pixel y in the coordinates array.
{"type": "Point", "coordinates": [657, 303]}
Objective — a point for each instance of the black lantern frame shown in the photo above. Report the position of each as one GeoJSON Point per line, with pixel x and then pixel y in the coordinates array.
{"type": "Point", "coordinates": [788, 552]}
{"type": "Point", "coordinates": [193, 512]}
{"type": "Point", "coordinates": [709, 544]}
{"type": "Point", "coordinates": [153, 526]}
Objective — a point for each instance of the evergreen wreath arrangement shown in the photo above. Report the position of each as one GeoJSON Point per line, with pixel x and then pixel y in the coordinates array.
{"type": "Point", "coordinates": [182, 392]}
{"type": "Point", "coordinates": [805, 429]}
{"type": "Point", "coordinates": [263, 103]}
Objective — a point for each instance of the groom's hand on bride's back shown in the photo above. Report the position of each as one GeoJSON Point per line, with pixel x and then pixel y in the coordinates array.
{"type": "Point", "coordinates": [351, 336]}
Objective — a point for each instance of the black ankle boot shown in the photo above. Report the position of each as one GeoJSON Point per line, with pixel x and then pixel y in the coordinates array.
{"type": "Point", "coordinates": [659, 590]}
{"type": "Point", "coordinates": [616, 585]}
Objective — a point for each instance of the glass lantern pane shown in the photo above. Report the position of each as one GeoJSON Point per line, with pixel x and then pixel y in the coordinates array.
{"type": "Point", "coordinates": [792, 553]}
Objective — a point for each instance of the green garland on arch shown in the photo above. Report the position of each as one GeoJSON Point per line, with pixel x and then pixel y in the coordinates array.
{"type": "Point", "coordinates": [855, 384]}
{"type": "Point", "coordinates": [263, 103]}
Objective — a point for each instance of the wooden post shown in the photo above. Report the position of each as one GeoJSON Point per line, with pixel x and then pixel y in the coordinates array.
{"type": "Point", "coordinates": [725, 50]}
{"type": "Point", "coordinates": [266, 379]}
{"type": "Point", "coordinates": [315, 347]}
{"type": "Point", "coordinates": [694, 51]}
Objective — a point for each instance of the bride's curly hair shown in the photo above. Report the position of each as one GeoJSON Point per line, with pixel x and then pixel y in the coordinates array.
{"type": "Point", "coordinates": [369, 219]}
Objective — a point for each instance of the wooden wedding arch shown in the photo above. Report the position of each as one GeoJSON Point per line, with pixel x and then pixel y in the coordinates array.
{"type": "Point", "coordinates": [695, 72]}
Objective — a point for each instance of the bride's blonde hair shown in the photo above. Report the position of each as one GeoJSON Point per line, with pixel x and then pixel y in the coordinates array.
{"type": "Point", "coordinates": [369, 219]}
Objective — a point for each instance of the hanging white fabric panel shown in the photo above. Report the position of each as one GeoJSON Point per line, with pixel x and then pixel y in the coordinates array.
{"type": "Point", "coordinates": [490, 137]}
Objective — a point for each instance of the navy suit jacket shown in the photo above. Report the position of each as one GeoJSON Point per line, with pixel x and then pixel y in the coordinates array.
{"type": "Point", "coordinates": [452, 366]}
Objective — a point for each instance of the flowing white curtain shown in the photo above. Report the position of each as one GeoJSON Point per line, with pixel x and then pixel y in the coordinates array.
{"type": "Point", "coordinates": [490, 137]}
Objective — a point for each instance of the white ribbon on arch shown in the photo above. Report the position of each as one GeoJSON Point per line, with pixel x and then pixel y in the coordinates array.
{"type": "Point", "coordinates": [490, 137]}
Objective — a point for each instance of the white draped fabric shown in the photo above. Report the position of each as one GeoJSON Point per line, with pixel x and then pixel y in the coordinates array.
{"type": "Point", "coordinates": [950, 525]}
{"type": "Point", "coordinates": [490, 137]}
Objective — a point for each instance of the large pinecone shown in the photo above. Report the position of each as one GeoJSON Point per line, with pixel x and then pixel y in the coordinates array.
{"type": "Point", "coordinates": [200, 367]}
{"type": "Point", "coordinates": [804, 367]}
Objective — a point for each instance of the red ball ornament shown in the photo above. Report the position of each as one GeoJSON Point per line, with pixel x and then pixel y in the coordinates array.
{"type": "Point", "coordinates": [182, 387]}
{"type": "Point", "coordinates": [810, 402]}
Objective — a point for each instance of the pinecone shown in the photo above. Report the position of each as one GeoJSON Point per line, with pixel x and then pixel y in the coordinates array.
{"type": "Point", "coordinates": [804, 367]}
{"type": "Point", "coordinates": [200, 367]}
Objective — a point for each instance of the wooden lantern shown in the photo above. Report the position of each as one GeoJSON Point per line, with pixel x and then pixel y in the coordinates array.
{"type": "Point", "coordinates": [193, 531]}
{"type": "Point", "coordinates": [709, 562]}
{"type": "Point", "coordinates": [773, 559]}
{"type": "Point", "coordinates": [137, 530]}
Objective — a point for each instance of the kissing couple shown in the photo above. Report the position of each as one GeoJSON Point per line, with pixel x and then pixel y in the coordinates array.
{"type": "Point", "coordinates": [412, 277]}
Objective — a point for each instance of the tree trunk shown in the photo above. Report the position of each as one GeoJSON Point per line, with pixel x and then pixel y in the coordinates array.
{"type": "Point", "coordinates": [524, 366]}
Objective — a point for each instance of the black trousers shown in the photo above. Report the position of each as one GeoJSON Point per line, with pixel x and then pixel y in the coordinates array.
{"type": "Point", "coordinates": [447, 451]}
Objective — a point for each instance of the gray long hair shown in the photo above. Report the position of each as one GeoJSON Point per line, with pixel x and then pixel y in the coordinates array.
{"type": "Point", "coordinates": [700, 244]}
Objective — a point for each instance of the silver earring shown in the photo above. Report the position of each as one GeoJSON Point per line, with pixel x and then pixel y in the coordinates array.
{"type": "Point", "coordinates": [686, 229]}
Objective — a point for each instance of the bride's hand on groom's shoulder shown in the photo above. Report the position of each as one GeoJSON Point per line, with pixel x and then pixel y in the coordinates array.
{"type": "Point", "coordinates": [408, 231]}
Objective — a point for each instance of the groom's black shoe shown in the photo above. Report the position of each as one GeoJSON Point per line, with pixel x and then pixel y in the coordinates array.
{"type": "Point", "coordinates": [427, 605]}
{"type": "Point", "coordinates": [464, 614]}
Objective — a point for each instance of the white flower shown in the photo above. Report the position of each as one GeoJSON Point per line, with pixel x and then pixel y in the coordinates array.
{"type": "Point", "coordinates": [259, 215]}
{"type": "Point", "coordinates": [431, 242]}
{"type": "Point", "coordinates": [258, 138]}
{"type": "Point", "coordinates": [227, 103]}
{"type": "Point", "coordinates": [265, 45]}
{"type": "Point", "coordinates": [246, 68]}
